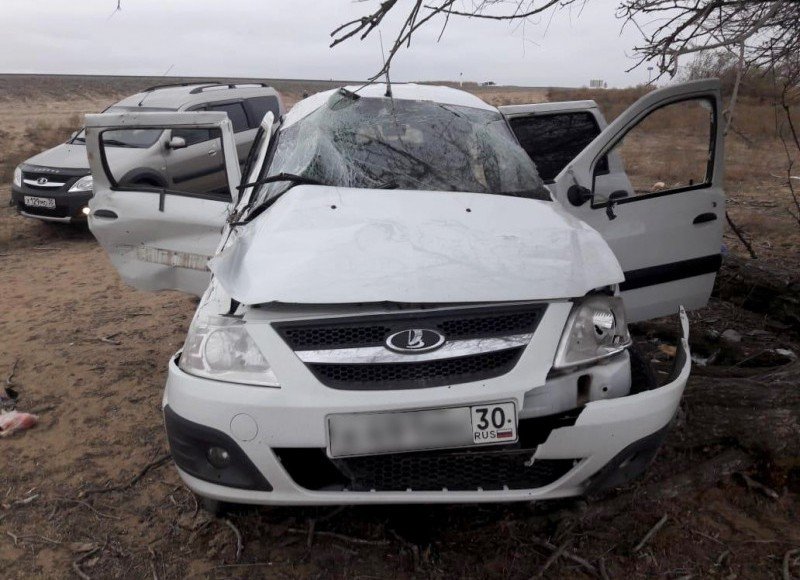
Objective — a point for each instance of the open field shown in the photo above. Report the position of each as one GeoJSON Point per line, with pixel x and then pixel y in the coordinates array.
{"type": "Point", "coordinates": [88, 491]}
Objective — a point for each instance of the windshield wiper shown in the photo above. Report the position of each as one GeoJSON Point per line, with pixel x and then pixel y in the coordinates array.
{"type": "Point", "coordinates": [296, 179]}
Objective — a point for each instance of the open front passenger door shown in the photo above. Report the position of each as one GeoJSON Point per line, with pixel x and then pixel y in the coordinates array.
{"type": "Point", "coordinates": [159, 230]}
{"type": "Point", "coordinates": [664, 221]}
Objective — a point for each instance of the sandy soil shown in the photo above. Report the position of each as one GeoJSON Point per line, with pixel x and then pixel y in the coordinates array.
{"type": "Point", "coordinates": [76, 497]}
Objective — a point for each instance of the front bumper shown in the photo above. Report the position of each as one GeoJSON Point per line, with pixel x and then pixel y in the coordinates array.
{"type": "Point", "coordinates": [69, 206]}
{"type": "Point", "coordinates": [603, 444]}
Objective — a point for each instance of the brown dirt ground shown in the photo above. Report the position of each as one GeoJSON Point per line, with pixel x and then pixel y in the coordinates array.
{"type": "Point", "coordinates": [99, 403]}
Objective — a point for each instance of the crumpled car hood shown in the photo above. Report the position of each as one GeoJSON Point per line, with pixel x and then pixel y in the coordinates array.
{"type": "Point", "coordinates": [67, 156]}
{"type": "Point", "coordinates": [332, 245]}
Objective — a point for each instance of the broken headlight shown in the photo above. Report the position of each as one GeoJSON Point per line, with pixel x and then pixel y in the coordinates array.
{"type": "Point", "coordinates": [18, 176]}
{"type": "Point", "coordinates": [595, 329]}
{"type": "Point", "coordinates": [220, 348]}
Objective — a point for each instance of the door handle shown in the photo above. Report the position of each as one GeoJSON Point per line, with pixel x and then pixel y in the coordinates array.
{"type": "Point", "coordinates": [212, 152]}
{"type": "Point", "coordinates": [105, 213]}
{"type": "Point", "coordinates": [704, 218]}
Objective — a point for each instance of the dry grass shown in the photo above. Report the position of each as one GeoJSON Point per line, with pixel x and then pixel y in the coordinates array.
{"type": "Point", "coordinates": [36, 137]}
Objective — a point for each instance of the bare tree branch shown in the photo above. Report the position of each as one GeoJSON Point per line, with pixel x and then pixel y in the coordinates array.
{"type": "Point", "coordinates": [766, 32]}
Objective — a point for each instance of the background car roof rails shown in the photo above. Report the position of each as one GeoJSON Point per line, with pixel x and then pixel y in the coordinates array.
{"type": "Point", "coordinates": [169, 85]}
{"type": "Point", "coordinates": [202, 88]}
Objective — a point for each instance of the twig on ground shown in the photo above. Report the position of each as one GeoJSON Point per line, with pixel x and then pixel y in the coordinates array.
{"type": "Point", "coordinates": [787, 559]}
{"type": "Point", "coordinates": [603, 572]}
{"type": "Point", "coordinates": [341, 537]}
{"type": "Point", "coordinates": [247, 565]}
{"type": "Point", "coordinates": [740, 234]}
{"type": "Point", "coordinates": [10, 378]}
{"type": "Point", "coordinates": [653, 531]}
{"type": "Point", "coordinates": [153, 562]}
{"type": "Point", "coordinates": [26, 501]}
{"type": "Point", "coordinates": [88, 505]}
{"type": "Point", "coordinates": [110, 339]}
{"type": "Point", "coordinates": [553, 557]}
{"type": "Point", "coordinates": [719, 561]}
{"type": "Point", "coordinates": [158, 462]}
{"type": "Point", "coordinates": [239, 543]}
{"type": "Point", "coordinates": [753, 484]}
{"type": "Point", "coordinates": [568, 555]}
{"type": "Point", "coordinates": [706, 536]}
{"type": "Point", "coordinates": [34, 538]}
{"type": "Point", "coordinates": [310, 539]}
{"type": "Point", "coordinates": [76, 563]}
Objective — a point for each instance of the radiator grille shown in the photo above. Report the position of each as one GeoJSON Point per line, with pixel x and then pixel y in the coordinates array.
{"type": "Point", "coordinates": [455, 471]}
{"type": "Point", "coordinates": [417, 375]}
{"type": "Point", "coordinates": [373, 330]}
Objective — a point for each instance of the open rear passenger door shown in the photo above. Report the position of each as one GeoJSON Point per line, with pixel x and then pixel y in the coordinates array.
{"type": "Point", "coordinates": [664, 218]}
{"type": "Point", "coordinates": [159, 232]}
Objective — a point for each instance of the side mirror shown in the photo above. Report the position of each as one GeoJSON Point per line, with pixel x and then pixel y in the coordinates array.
{"type": "Point", "coordinates": [176, 143]}
{"type": "Point", "coordinates": [578, 195]}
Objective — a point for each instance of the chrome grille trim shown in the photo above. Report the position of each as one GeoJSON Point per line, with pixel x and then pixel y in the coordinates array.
{"type": "Point", "coordinates": [380, 354]}
{"type": "Point", "coordinates": [35, 183]}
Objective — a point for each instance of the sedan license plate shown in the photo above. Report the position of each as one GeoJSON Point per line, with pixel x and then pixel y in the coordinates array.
{"type": "Point", "coordinates": [352, 434]}
{"type": "Point", "coordinates": [46, 202]}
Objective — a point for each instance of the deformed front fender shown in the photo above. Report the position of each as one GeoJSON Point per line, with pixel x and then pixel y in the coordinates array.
{"type": "Point", "coordinates": [617, 438]}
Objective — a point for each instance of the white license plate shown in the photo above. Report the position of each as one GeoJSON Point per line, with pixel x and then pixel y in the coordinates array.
{"type": "Point", "coordinates": [391, 432]}
{"type": "Point", "coordinates": [33, 201]}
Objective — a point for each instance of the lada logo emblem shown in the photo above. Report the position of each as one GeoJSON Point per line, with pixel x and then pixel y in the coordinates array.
{"type": "Point", "coordinates": [415, 340]}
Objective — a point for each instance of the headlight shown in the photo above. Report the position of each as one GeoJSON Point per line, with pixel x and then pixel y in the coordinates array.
{"type": "Point", "coordinates": [18, 176]}
{"type": "Point", "coordinates": [595, 329]}
{"type": "Point", "coordinates": [220, 348]}
{"type": "Point", "coordinates": [83, 184]}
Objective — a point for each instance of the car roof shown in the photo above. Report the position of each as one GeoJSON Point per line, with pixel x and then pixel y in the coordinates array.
{"type": "Point", "coordinates": [406, 91]}
{"type": "Point", "coordinates": [184, 96]}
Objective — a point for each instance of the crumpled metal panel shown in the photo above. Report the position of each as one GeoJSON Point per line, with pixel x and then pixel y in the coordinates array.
{"type": "Point", "coordinates": [334, 245]}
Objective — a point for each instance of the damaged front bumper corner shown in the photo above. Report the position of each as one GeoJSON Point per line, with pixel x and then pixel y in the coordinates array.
{"type": "Point", "coordinates": [610, 442]}
{"type": "Point", "coordinates": [632, 428]}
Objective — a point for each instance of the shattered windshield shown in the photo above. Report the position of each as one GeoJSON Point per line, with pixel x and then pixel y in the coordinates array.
{"type": "Point", "coordinates": [387, 143]}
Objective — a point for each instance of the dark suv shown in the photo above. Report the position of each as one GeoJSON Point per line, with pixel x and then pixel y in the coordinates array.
{"type": "Point", "coordinates": [56, 185]}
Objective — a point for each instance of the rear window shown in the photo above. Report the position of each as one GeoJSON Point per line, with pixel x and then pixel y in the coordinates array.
{"type": "Point", "coordinates": [552, 141]}
{"type": "Point", "coordinates": [235, 113]}
{"type": "Point", "coordinates": [260, 106]}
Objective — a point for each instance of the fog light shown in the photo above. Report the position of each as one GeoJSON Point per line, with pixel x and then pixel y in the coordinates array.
{"type": "Point", "coordinates": [218, 457]}
{"type": "Point", "coordinates": [86, 210]}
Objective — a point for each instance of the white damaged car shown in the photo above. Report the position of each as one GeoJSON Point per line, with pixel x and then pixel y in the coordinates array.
{"type": "Point", "coordinates": [398, 308]}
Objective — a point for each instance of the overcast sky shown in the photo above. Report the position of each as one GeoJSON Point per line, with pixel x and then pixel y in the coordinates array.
{"type": "Point", "coordinates": [290, 38]}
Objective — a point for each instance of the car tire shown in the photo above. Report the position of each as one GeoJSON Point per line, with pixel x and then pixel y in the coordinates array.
{"type": "Point", "coordinates": [643, 377]}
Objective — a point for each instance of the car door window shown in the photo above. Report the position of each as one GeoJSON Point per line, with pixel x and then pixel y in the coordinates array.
{"type": "Point", "coordinates": [257, 107]}
{"type": "Point", "coordinates": [235, 113]}
{"type": "Point", "coordinates": [197, 168]}
{"type": "Point", "coordinates": [553, 140]}
{"type": "Point", "coordinates": [670, 150]}
{"type": "Point", "coordinates": [192, 136]}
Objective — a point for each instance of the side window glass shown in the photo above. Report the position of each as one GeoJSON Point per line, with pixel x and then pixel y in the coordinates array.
{"type": "Point", "coordinates": [553, 140]}
{"type": "Point", "coordinates": [192, 136]}
{"type": "Point", "coordinates": [235, 113]}
{"type": "Point", "coordinates": [141, 159]}
{"type": "Point", "coordinates": [260, 106]}
{"type": "Point", "coordinates": [671, 149]}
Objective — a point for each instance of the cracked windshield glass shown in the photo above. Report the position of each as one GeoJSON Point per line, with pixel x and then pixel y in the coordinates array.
{"type": "Point", "coordinates": [382, 143]}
